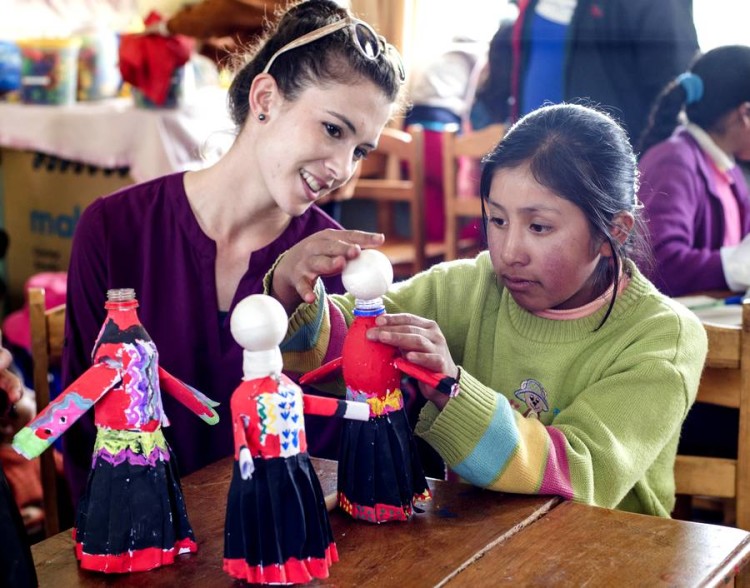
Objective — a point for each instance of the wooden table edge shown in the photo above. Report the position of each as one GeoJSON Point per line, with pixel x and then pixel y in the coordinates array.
{"type": "Point", "coordinates": [735, 565]}
{"type": "Point", "coordinates": [541, 512]}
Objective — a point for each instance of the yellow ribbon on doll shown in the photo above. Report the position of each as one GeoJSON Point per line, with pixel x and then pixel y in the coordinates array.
{"type": "Point", "coordinates": [392, 402]}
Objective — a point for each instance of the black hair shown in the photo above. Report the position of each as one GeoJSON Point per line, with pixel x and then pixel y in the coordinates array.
{"type": "Point", "coordinates": [330, 59]}
{"type": "Point", "coordinates": [725, 73]}
{"type": "Point", "coordinates": [584, 156]}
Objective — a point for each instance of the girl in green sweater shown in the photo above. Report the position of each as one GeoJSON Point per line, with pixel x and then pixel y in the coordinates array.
{"type": "Point", "coordinates": [575, 374]}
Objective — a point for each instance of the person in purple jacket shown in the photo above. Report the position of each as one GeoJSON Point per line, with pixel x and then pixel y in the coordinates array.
{"type": "Point", "coordinates": [696, 198]}
{"type": "Point", "coordinates": [697, 203]}
{"type": "Point", "coordinates": [309, 105]}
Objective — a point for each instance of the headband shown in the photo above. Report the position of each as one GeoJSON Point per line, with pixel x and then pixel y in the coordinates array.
{"type": "Point", "coordinates": [693, 86]}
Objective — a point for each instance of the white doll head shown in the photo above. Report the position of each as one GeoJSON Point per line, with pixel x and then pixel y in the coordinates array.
{"type": "Point", "coordinates": [368, 276]}
{"type": "Point", "coordinates": [258, 323]}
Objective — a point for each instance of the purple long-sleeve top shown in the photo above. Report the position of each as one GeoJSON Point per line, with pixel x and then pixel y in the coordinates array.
{"type": "Point", "coordinates": [146, 237]}
{"type": "Point", "coordinates": [684, 215]}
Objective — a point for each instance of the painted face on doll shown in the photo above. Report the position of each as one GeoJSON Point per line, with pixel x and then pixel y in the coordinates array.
{"type": "Point", "coordinates": [540, 244]}
{"type": "Point", "coordinates": [311, 145]}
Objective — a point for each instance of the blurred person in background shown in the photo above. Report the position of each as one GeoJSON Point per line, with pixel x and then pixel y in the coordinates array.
{"type": "Point", "coordinates": [16, 564]}
{"type": "Point", "coordinates": [697, 203]}
{"type": "Point", "coordinates": [696, 197]}
{"type": "Point", "coordinates": [492, 99]}
{"type": "Point", "coordinates": [615, 53]}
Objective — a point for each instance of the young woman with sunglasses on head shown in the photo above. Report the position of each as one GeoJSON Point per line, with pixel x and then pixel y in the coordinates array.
{"type": "Point", "coordinates": [574, 373]}
{"type": "Point", "coordinates": [308, 104]}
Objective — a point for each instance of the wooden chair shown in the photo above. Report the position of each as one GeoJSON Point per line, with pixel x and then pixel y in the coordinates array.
{"type": "Point", "coordinates": [472, 145]}
{"type": "Point", "coordinates": [725, 382]}
{"type": "Point", "coordinates": [47, 336]}
{"type": "Point", "coordinates": [393, 173]}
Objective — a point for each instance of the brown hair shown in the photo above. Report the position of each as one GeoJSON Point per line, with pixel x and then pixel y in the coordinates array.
{"type": "Point", "coordinates": [329, 59]}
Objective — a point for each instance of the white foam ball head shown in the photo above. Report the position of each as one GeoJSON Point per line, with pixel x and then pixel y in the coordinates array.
{"type": "Point", "coordinates": [368, 276]}
{"type": "Point", "coordinates": [258, 323]}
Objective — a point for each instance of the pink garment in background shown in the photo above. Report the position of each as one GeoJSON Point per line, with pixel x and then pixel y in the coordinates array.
{"type": "Point", "coordinates": [17, 325]}
{"type": "Point", "coordinates": [468, 184]}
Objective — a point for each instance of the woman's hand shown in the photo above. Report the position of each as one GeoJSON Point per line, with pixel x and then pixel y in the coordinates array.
{"type": "Point", "coordinates": [421, 342]}
{"type": "Point", "coordinates": [11, 388]}
{"type": "Point", "coordinates": [323, 254]}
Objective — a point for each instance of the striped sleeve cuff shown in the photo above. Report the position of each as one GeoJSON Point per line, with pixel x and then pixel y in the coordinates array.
{"type": "Point", "coordinates": [459, 427]}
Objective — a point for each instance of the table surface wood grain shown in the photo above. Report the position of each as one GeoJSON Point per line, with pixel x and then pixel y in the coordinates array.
{"type": "Point", "coordinates": [580, 545]}
{"type": "Point", "coordinates": [465, 536]}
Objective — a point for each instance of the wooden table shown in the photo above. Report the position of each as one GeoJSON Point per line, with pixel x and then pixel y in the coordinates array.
{"type": "Point", "coordinates": [465, 537]}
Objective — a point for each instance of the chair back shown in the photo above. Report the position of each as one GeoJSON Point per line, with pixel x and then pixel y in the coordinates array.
{"type": "Point", "coordinates": [47, 337]}
{"type": "Point", "coordinates": [725, 382]}
{"type": "Point", "coordinates": [468, 147]}
{"type": "Point", "coordinates": [393, 173]}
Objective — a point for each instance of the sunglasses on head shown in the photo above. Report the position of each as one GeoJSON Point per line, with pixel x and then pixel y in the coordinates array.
{"type": "Point", "coordinates": [366, 40]}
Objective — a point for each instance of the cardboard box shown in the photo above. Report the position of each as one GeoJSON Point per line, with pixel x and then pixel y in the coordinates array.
{"type": "Point", "coordinates": [43, 198]}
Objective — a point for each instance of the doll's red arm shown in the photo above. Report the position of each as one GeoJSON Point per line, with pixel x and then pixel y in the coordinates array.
{"type": "Point", "coordinates": [240, 423]}
{"type": "Point", "coordinates": [323, 372]}
{"type": "Point", "coordinates": [66, 409]}
{"type": "Point", "coordinates": [334, 407]}
{"type": "Point", "coordinates": [442, 383]}
{"type": "Point", "coordinates": [191, 398]}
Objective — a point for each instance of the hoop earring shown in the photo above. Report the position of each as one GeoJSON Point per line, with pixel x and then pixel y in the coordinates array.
{"type": "Point", "coordinates": [261, 117]}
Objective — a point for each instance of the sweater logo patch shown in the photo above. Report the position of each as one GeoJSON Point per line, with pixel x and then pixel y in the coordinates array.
{"type": "Point", "coordinates": [533, 395]}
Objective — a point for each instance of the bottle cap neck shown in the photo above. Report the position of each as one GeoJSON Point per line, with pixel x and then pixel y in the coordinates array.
{"type": "Point", "coordinates": [121, 299]}
{"type": "Point", "coordinates": [372, 307]}
{"type": "Point", "coordinates": [120, 294]}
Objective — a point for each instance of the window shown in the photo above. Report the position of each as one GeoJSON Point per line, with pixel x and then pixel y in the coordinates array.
{"type": "Point", "coordinates": [721, 22]}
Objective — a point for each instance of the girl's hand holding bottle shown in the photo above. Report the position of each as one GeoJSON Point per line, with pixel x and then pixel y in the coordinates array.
{"type": "Point", "coordinates": [421, 342]}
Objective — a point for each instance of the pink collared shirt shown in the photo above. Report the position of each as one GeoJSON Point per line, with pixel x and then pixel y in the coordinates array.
{"type": "Point", "coordinates": [570, 314]}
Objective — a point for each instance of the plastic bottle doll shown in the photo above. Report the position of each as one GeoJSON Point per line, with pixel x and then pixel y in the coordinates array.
{"type": "Point", "coordinates": [132, 515]}
{"type": "Point", "coordinates": [277, 529]}
{"type": "Point", "coordinates": [379, 473]}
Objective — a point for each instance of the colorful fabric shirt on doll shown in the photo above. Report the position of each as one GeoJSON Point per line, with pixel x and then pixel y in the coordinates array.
{"type": "Point", "coordinates": [132, 515]}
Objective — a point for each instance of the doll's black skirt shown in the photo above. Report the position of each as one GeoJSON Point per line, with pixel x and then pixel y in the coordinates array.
{"type": "Point", "coordinates": [277, 529]}
{"type": "Point", "coordinates": [380, 475]}
{"type": "Point", "coordinates": [132, 515]}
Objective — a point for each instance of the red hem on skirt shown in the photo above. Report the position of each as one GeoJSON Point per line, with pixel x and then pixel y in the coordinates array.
{"type": "Point", "coordinates": [381, 513]}
{"type": "Point", "coordinates": [139, 560]}
{"type": "Point", "coordinates": [292, 571]}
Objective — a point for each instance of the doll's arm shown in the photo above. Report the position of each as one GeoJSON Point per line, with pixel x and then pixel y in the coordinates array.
{"type": "Point", "coordinates": [323, 372]}
{"type": "Point", "coordinates": [244, 457]}
{"type": "Point", "coordinates": [334, 407]}
{"type": "Point", "coordinates": [193, 399]}
{"type": "Point", "coordinates": [442, 383]}
{"type": "Point", "coordinates": [66, 409]}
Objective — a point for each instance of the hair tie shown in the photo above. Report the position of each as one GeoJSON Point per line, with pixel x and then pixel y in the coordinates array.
{"type": "Point", "coordinates": [693, 86]}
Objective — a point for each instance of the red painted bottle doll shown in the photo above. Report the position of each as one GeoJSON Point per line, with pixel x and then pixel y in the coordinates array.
{"type": "Point", "coordinates": [132, 515]}
{"type": "Point", "coordinates": [277, 529]}
{"type": "Point", "coordinates": [379, 474]}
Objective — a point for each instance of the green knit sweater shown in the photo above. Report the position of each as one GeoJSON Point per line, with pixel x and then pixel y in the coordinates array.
{"type": "Point", "coordinates": [545, 406]}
